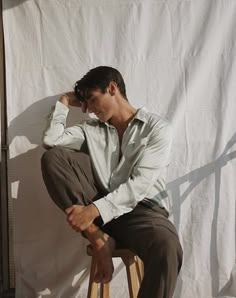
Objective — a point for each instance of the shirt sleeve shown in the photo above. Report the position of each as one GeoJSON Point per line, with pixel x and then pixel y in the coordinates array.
{"type": "Point", "coordinates": [145, 173]}
{"type": "Point", "coordinates": [56, 133]}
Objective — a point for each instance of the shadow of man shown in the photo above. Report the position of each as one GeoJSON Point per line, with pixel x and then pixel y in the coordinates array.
{"type": "Point", "coordinates": [50, 258]}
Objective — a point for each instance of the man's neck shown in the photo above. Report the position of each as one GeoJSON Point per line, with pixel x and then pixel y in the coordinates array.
{"type": "Point", "coordinates": [124, 114]}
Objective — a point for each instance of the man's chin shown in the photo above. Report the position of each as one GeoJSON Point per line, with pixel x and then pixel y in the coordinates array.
{"type": "Point", "coordinates": [102, 119]}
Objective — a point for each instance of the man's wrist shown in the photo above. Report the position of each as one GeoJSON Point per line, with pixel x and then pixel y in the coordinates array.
{"type": "Point", "coordinates": [98, 221]}
{"type": "Point", "coordinates": [94, 210]}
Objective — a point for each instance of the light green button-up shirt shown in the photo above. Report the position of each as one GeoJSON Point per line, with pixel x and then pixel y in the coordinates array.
{"type": "Point", "coordinates": [141, 171]}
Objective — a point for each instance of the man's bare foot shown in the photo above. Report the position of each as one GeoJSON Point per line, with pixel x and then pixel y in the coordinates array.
{"type": "Point", "coordinates": [81, 219]}
{"type": "Point", "coordinates": [102, 251]}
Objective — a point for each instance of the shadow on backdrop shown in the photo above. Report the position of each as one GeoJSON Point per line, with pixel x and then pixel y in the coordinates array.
{"type": "Point", "coordinates": [39, 227]}
{"type": "Point", "coordinates": [194, 178]}
{"type": "Point", "coordinates": [8, 4]}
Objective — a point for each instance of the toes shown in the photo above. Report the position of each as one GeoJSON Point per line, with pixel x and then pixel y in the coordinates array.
{"type": "Point", "coordinates": [98, 277]}
{"type": "Point", "coordinates": [103, 276]}
{"type": "Point", "coordinates": [107, 278]}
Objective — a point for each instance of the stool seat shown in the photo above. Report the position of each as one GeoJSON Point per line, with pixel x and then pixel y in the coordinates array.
{"type": "Point", "coordinates": [134, 270]}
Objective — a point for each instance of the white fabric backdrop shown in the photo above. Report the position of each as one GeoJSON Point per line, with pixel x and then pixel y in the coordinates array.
{"type": "Point", "coordinates": [178, 59]}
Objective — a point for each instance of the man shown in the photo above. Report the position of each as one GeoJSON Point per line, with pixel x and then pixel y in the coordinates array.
{"type": "Point", "coordinates": [108, 176]}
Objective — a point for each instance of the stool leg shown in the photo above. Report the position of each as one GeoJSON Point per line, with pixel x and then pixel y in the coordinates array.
{"type": "Point", "coordinates": [139, 268]}
{"type": "Point", "coordinates": [93, 286]}
{"type": "Point", "coordinates": [104, 290]}
{"type": "Point", "coordinates": [130, 265]}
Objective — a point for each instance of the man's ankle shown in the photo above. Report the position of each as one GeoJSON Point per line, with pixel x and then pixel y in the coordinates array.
{"type": "Point", "coordinates": [98, 238]}
{"type": "Point", "coordinates": [94, 234]}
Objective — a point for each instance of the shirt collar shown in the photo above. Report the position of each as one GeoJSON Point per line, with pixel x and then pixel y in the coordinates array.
{"type": "Point", "coordinates": [142, 115]}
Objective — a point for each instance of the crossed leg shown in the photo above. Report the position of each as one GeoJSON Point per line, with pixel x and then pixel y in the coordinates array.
{"type": "Point", "coordinates": [69, 180]}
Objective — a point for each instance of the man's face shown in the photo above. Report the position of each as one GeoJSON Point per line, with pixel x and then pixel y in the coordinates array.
{"type": "Point", "coordinates": [101, 104]}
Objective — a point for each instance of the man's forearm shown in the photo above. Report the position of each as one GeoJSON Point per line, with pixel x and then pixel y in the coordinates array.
{"type": "Point", "coordinates": [57, 134]}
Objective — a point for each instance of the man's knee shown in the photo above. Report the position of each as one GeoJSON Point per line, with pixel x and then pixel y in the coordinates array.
{"type": "Point", "coordinates": [58, 158]}
{"type": "Point", "coordinates": [50, 156]}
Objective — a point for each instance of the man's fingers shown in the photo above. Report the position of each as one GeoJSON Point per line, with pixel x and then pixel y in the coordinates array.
{"type": "Point", "coordinates": [68, 210]}
{"type": "Point", "coordinates": [70, 218]}
{"type": "Point", "coordinates": [79, 217]}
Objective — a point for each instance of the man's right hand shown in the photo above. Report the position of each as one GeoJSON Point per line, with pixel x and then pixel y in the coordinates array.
{"type": "Point", "coordinates": [69, 98]}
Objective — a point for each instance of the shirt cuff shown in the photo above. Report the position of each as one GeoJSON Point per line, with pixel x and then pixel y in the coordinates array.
{"type": "Point", "coordinates": [61, 107]}
{"type": "Point", "coordinates": [105, 209]}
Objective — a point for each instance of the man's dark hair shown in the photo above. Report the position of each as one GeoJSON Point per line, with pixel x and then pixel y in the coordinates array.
{"type": "Point", "coordinates": [99, 78]}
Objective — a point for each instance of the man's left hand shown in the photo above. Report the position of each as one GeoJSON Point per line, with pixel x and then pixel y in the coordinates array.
{"type": "Point", "coordinates": [81, 217]}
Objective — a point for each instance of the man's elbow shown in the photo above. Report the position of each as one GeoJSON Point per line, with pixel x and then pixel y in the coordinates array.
{"type": "Point", "coordinates": [48, 143]}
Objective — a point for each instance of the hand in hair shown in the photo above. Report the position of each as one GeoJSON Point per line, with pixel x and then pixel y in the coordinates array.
{"type": "Point", "coordinates": [70, 98]}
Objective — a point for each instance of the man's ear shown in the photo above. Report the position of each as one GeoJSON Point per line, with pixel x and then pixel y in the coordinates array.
{"type": "Point", "coordinates": [112, 88]}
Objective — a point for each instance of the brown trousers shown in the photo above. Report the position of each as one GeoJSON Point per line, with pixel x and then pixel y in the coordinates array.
{"type": "Point", "coordinates": [69, 179]}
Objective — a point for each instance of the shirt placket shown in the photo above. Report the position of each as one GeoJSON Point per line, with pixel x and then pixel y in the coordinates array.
{"type": "Point", "coordinates": [116, 175]}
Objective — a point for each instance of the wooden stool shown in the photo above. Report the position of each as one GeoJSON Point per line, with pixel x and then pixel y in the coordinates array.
{"type": "Point", "coordinates": [134, 269]}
